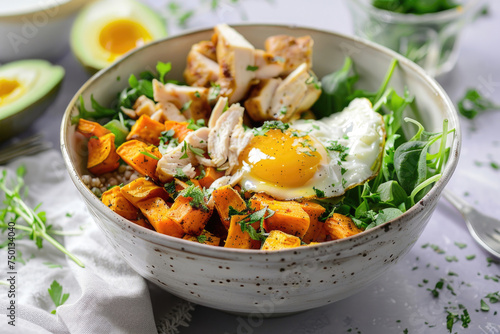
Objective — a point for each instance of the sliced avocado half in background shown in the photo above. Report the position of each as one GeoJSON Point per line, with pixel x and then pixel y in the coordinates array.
{"type": "Point", "coordinates": [105, 30]}
{"type": "Point", "coordinates": [27, 87]}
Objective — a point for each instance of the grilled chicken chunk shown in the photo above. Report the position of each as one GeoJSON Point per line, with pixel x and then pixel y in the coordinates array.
{"type": "Point", "coordinates": [267, 66]}
{"type": "Point", "coordinates": [259, 101]}
{"type": "Point", "coordinates": [202, 67]}
{"type": "Point", "coordinates": [293, 51]}
{"type": "Point", "coordinates": [192, 102]}
{"type": "Point", "coordinates": [236, 59]}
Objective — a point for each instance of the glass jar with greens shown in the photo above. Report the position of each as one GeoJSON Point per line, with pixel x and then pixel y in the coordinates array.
{"type": "Point", "coordinates": [426, 32]}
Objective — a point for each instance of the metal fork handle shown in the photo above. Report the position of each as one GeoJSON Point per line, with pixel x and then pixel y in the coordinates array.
{"type": "Point", "coordinates": [457, 202]}
{"type": "Point", "coordinates": [26, 146]}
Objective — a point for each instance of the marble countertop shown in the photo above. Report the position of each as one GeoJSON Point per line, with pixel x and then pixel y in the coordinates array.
{"type": "Point", "coordinates": [400, 299]}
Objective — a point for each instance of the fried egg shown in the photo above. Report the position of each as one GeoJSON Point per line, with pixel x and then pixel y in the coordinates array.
{"type": "Point", "coordinates": [316, 158]}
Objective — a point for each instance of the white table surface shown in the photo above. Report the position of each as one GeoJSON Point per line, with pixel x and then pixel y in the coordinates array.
{"type": "Point", "coordinates": [395, 301]}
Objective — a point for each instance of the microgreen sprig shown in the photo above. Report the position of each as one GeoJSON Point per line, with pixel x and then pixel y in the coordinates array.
{"type": "Point", "coordinates": [36, 226]}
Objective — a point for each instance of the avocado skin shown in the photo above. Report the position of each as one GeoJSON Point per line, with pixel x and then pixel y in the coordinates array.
{"type": "Point", "coordinates": [21, 121]}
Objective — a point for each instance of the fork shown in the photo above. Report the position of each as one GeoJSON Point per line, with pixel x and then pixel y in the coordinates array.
{"type": "Point", "coordinates": [484, 229]}
{"type": "Point", "coordinates": [26, 146]}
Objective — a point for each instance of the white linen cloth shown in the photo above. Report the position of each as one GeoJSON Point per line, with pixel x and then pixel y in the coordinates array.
{"type": "Point", "coordinates": [106, 296]}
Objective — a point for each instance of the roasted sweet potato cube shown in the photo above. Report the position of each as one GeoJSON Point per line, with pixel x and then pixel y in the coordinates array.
{"type": "Point", "coordinates": [236, 238]}
{"type": "Point", "coordinates": [288, 216]}
{"type": "Point", "coordinates": [115, 200]}
{"type": "Point", "coordinates": [280, 240]}
{"type": "Point", "coordinates": [102, 154]}
{"type": "Point", "coordinates": [147, 130]}
{"type": "Point", "coordinates": [140, 156]}
{"type": "Point", "coordinates": [143, 222]}
{"type": "Point", "coordinates": [314, 210]}
{"type": "Point", "coordinates": [180, 129]}
{"type": "Point", "coordinates": [156, 211]}
{"type": "Point", "coordinates": [205, 237]}
{"type": "Point", "coordinates": [89, 128]}
{"type": "Point", "coordinates": [211, 174]}
{"type": "Point", "coordinates": [339, 226]}
{"type": "Point", "coordinates": [192, 220]}
{"type": "Point", "coordinates": [224, 198]}
{"type": "Point", "coordinates": [141, 189]}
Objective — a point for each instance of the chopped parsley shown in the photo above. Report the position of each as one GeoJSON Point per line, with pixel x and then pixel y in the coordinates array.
{"type": "Point", "coordinates": [201, 238]}
{"type": "Point", "coordinates": [195, 125]}
{"type": "Point", "coordinates": [146, 153]}
{"type": "Point", "coordinates": [460, 245]}
{"type": "Point", "coordinates": [334, 146]}
{"type": "Point", "coordinates": [252, 68]}
{"type": "Point", "coordinates": [319, 193]}
{"type": "Point", "coordinates": [197, 197]}
{"type": "Point", "coordinates": [170, 188]}
{"type": "Point", "coordinates": [214, 91]}
{"type": "Point", "coordinates": [283, 110]}
{"type": "Point", "coordinates": [484, 307]}
{"type": "Point", "coordinates": [269, 125]}
{"type": "Point", "coordinates": [186, 106]}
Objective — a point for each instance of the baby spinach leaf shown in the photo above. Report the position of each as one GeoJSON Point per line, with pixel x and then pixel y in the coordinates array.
{"type": "Point", "coordinates": [336, 88]}
{"type": "Point", "coordinates": [392, 193]}
{"type": "Point", "coordinates": [410, 164]}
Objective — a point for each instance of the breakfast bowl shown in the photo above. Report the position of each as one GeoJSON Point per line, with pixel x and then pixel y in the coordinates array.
{"type": "Point", "coordinates": [258, 281]}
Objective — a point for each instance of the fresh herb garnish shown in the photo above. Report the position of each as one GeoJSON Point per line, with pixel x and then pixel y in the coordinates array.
{"type": "Point", "coordinates": [56, 294]}
{"type": "Point", "coordinates": [246, 223]}
{"type": "Point", "coordinates": [319, 193]}
{"type": "Point", "coordinates": [15, 209]}
{"type": "Point", "coordinates": [197, 197]}
{"type": "Point", "coordinates": [472, 103]}
{"type": "Point", "coordinates": [214, 91]}
{"type": "Point", "coordinates": [201, 238]}
{"type": "Point", "coordinates": [146, 153]}
{"type": "Point", "coordinates": [269, 125]}
{"type": "Point", "coordinates": [414, 7]}
{"type": "Point", "coordinates": [195, 125]}
{"type": "Point", "coordinates": [252, 68]}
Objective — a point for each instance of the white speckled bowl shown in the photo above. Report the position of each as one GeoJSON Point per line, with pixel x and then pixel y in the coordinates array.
{"type": "Point", "coordinates": [249, 281]}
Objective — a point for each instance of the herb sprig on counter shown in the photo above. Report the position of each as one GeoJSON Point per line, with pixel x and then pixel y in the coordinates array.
{"type": "Point", "coordinates": [15, 210]}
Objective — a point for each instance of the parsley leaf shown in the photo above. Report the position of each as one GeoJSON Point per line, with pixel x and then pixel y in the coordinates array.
{"type": "Point", "coordinates": [252, 68]}
{"type": "Point", "coordinates": [163, 69]}
{"type": "Point", "coordinates": [214, 91]}
{"type": "Point", "coordinates": [201, 238]}
{"type": "Point", "coordinates": [56, 294]}
{"type": "Point", "coordinates": [196, 125]}
{"type": "Point", "coordinates": [472, 103]}
{"type": "Point", "coordinates": [319, 193]}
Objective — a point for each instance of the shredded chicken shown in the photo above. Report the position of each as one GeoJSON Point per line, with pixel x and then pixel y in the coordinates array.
{"type": "Point", "coordinates": [220, 134]}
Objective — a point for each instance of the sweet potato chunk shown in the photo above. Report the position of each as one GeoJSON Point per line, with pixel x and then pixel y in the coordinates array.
{"type": "Point", "coordinates": [289, 217]}
{"type": "Point", "coordinates": [205, 237]}
{"type": "Point", "coordinates": [141, 189]}
{"type": "Point", "coordinates": [156, 211]}
{"type": "Point", "coordinates": [314, 210]}
{"type": "Point", "coordinates": [102, 154]}
{"type": "Point", "coordinates": [180, 129]}
{"type": "Point", "coordinates": [89, 128]}
{"type": "Point", "coordinates": [279, 240]}
{"type": "Point", "coordinates": [140, 157]}
{"type": "Point", "coordinates": [144, 223]}
{"type": "Point", "coordinates": [236, 238]}
{"type": "Point", "coordinates": [211, 174]}
{"type": "Point", "coordinates": [192, 220]}
{"type": "Point", "coordinates": [115, 200]}
{"type": "Point", "coordinates": [339, 226]}
{"type": "Point", "coordinates": [147, 130]}
{"type": "Point", "coordinates": [224, 198]}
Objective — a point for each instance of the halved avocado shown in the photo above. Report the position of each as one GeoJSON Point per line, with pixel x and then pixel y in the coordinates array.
{"type": "Point", "coordinates": [106, 30]}
{"type": "Point", "coordinates": [27, 87]}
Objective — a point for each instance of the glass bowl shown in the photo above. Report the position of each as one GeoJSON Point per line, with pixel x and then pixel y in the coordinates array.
{"type": "Point", "coordinates": [430, 40]}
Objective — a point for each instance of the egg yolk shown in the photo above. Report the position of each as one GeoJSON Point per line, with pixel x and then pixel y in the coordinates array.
{"type": "Point", "coordinates": [121, 36]}
{"type": "Point", "coordinates": [7, 87]}
{"type": "Point", "coordinates": [281, 158]}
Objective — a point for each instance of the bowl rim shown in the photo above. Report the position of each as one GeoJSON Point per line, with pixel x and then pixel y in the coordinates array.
{"type": "Point", "coordinates": [65, 8]}
{"type": "Point", "coordinates": [180, 244]}
{"type": "Point", "coordinates": [432, 18]}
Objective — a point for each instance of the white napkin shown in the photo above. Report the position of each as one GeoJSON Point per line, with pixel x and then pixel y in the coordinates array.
{"type": "Point", "coordinates": [106, 296]}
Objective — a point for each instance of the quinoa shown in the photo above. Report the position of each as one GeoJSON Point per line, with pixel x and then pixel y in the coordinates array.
{"type": "Point", "coordinates": [98, 185]}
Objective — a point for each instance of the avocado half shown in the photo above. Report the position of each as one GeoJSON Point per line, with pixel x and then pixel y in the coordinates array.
{"type": "Point", "coordinates": [28, 88]}
{"type": "Point", "coordinates": [105, 30]}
